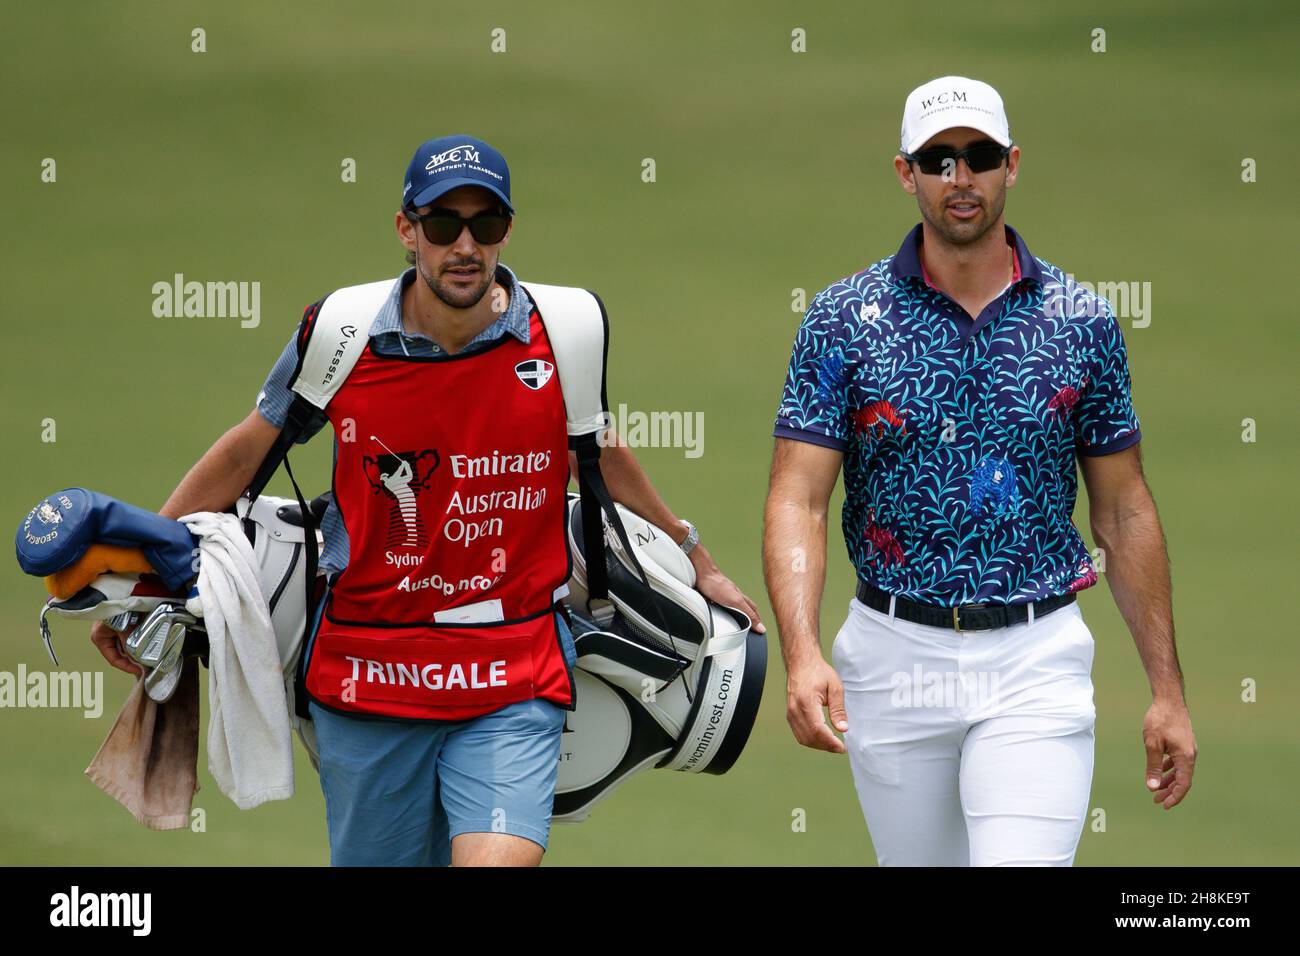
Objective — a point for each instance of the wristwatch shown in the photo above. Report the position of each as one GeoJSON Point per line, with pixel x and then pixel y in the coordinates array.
{"type": "Point", "coordinates": [692, 537]}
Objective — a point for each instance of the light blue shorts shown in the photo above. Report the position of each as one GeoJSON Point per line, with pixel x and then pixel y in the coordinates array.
{"type": "Point", "coordinates": [397, 792]}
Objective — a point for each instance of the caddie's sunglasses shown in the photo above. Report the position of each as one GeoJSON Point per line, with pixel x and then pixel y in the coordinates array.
{"type": "Point", "coordinates": [980, 157]}
{"type": "Point", "coordinates": [442, 227]}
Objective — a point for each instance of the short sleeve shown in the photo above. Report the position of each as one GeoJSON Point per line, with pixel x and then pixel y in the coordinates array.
{"type": "Point", "coordinates": [1105, 421]}
{"type": "Point", "coordinates": [814, 399]}
{"type": "Point", "coordinates": [275, 397]}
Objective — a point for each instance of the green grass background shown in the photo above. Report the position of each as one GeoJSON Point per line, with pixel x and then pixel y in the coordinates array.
{"type": "Point", "coordinates": [773, 173]}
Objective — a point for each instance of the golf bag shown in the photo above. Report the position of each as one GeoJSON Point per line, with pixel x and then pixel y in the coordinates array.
{"type": "Point", "coordinates": [666, 678]}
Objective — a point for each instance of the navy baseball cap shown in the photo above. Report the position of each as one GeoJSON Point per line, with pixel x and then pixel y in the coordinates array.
{"type": "Point", "coordinates": [442, 164]}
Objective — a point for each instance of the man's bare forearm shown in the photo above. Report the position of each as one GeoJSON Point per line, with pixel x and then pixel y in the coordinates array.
{"type": "Point", "coordinates": [215, 481]}
{"type": "Point", "coordinates": [794, 565]}
{"type": "Point", "coordinates": [1137, 570]}
{"type": "Point", "coordinates": [630, 486]}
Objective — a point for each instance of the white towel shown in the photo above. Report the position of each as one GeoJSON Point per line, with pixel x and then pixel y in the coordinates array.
{"type": "Point", "coordinates": [250, 752]}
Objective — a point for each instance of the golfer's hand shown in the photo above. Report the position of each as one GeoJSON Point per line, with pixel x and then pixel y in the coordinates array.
{"type": "Point", "coordinates": [109, 643]}
{"type": "Point", "coordinates": [808, 689]}
{"type": "Point", "coordinates": [717, 587]}
{"type": "Point", "coordinates": [1171, 751]}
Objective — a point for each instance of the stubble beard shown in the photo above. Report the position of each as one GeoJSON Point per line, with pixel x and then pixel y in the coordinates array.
{"type": "Point", "coordinates": [456, 297]}
{"type": "Point", "coordinates": [958, 233]}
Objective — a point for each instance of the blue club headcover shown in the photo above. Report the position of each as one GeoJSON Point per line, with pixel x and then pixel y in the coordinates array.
{"type": "Point", "coordinates": [57, 532]}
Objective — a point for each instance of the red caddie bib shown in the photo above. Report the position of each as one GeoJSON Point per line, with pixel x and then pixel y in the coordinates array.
{"type": "Point", "coordinates": [450, 479]}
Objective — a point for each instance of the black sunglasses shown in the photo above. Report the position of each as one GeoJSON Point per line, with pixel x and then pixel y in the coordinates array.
{"type": "Point", "coordinates": [980, 157]}
{"type": "Point", "coordinates": [442, 227]}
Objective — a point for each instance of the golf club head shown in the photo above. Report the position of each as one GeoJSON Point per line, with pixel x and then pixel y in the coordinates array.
{"type": "Point", "coordinates": [148, 643]}
{"type": "Point", "coordinates": [125, 622]}
{"type": "Point", "coordinates": [161, 682]}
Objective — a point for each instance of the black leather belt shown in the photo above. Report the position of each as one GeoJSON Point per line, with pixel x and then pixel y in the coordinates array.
{"type": "Point", "coordinates": [964, 617]}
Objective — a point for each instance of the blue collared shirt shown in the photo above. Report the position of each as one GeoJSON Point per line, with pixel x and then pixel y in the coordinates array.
{"type": "Point", "coordinates": [960, 435]}
{"type": "Point", "coordinates": [387, 337]}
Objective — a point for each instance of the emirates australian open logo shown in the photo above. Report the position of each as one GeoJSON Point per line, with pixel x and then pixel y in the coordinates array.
{"type": "Point", "coordinates": [401, 477]}
{"type": "Point", "coordinates": [535, 373]}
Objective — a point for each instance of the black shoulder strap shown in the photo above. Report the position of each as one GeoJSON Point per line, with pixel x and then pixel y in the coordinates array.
{"type": "Point", "coordinates": [594, 498]}
{"type": "Point", "coordinates": [577, 327]}
{"type": "Point", "coordinates": [300, 414]}
{"type": "Point", "coordinates": [331, 337]}
{"type": "Point", "coordinates": [309, 527]}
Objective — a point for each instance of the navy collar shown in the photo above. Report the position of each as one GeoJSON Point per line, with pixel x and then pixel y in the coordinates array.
{"type": "Point", "coordinates": [907, 261]}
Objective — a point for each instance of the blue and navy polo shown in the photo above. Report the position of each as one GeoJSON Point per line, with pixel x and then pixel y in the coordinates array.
{"type": "Point", "coordinates": [960, 436]}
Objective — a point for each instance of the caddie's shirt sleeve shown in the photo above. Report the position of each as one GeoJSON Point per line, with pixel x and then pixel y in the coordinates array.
{"type": "Point", "coordinates": [814, 399]}
{"type": "Point", "coordinates": [1105, 421]}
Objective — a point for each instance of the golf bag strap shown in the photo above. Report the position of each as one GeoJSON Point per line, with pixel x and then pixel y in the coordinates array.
{"type": "Point", "coordinates": [593, 495]}
{"type": "Point", "coordinates": [595, 498]}
{"type": "Point", "coordinates": [578, 330]}
{"type": "Point", "coordinates": [335, 332]}
{"type": "Point", "coordinates": [300, 412]}
{"type": "Point", "coordinates": [335, 336]}
{"type": "Point", "coordinates": [313, 560]}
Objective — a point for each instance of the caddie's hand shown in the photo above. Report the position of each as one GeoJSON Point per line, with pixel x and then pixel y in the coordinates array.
{"type": "Point", "coordinates": [717, 587]}
{"type": "Point", "coordinates": [1171, 751]}
{"type": "Point", "coordinates": [808, 689]}
{"type": "Point", "coordinates": [109, 643]}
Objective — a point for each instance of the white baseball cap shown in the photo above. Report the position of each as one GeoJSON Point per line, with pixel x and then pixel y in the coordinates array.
{"type": "Point", "coordinates": [953, 101]}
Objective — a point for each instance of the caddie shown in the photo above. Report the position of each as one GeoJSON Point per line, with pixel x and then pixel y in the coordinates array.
{"type": "Point", "coordinates": [440, 665]}
{"type": "Point", "coordinates": [957, 384]}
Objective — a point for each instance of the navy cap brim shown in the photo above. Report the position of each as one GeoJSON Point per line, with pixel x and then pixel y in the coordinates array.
{"type": "Point", "coordinates": [432, 192]}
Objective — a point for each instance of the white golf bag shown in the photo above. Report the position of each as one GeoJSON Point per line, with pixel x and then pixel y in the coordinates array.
{"type": "Point", "coordinates": [664, 677]}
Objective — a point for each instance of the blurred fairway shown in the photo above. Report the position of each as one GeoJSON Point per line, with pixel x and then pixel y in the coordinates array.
{"type": "Point", "coordinates": [773, 172]}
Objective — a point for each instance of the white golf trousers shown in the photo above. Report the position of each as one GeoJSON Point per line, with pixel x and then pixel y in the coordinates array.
{"type": "Point", "coordinates": [970, 748]}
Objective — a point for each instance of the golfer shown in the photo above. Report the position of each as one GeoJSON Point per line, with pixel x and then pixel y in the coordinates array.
{"type": "Point", "coordinates": [956, 383]}
{"type": "Point", "coordinates": [444, 543]}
